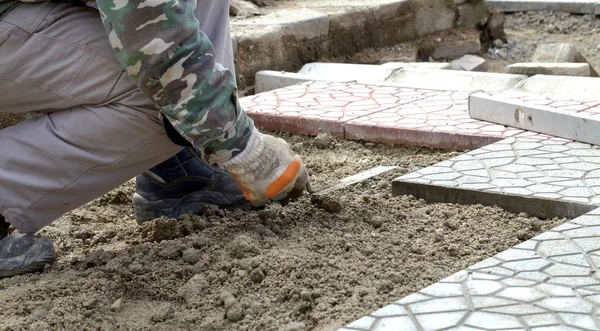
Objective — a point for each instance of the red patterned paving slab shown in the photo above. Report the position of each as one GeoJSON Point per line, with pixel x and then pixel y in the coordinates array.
{"type": "Point", "coordinates": [407, 116]}
{"type": "Point", "coordinates": [316, 107]}
{"type": "Point", "coordinates": [440, 121]}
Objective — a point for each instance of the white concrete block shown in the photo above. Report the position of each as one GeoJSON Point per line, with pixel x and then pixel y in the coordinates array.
{"type": "Point", "coordinates": [537, 118]}
{"type": "Point", "coordinates": [555, 53]}
{"type": "Point", "coordinates": [344, 71]}
{"type": "Point", "coordinates": [417, 65]}
{"type": "Point", "coordinates": [271, 80]}
{"type": "Point", "coordinates": [453, 80]}
{"type": "Point", "coordinates": [583, 87]}
{"type": "Point", "coordinates": [558, 69]}
{"type": "Point", "coordinates": [268, 80]}
{"type": "Point", "coordinates": [569, 6]}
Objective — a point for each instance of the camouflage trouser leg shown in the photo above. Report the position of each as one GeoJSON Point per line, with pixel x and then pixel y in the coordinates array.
{"type": "Point", "coordinates": [97, 130]}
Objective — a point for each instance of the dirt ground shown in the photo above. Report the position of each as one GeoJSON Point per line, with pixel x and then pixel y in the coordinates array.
{"type": "Point", "coordinates": [525, 32]}
{"type": "Point", "coordinates": [307, 265]}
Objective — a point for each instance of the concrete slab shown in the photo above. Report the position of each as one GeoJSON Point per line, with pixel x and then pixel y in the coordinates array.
{"type": "Point", "coordinates": [335, 72]}
{"type": "Point", "coordinates": [454, 80]}
{"type": "Point", "coordinates": [558, 69]}
{"type": "Point", "coordinates": [576, 119]}
{"type": "Point", "coordinates": [268, 80]}
{"type": "Point", "coordinates": [583, 87]}
{"type": "Point", "coordinates": [546, 283]}
{"type": "Point", "coordinates": [395, 115]}
{"type": "Point", "coordinates": [544, 178]}
{"type": "Point", "coordinates": [555, 53]}
{"type": "Point", "coordinates": [569, 6]}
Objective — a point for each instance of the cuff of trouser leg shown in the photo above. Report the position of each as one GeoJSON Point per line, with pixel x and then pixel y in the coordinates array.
{"type": "Point", "coordinates": [23, 227]}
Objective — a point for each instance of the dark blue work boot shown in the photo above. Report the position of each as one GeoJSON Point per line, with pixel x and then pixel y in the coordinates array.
{"type": "Point", "coordinates": [22, 253]}
{"type": "Point", "coordinates": [184, 184]}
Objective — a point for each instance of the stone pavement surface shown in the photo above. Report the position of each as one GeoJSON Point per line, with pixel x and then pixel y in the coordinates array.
{"type": "Point", "coordinates": [546, 283]}
{"type": "Point", "coordinates": [377, 113]}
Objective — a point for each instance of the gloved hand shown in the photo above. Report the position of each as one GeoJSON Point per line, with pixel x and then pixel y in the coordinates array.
{"type": "Point", "coordinates": [268, 169]}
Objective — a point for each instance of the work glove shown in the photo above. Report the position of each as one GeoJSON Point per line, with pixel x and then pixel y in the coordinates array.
{"type": "Point", "coordinates": [268, 169]}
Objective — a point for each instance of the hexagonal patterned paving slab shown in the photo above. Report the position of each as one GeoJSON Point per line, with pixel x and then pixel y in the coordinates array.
{"type": "Point", "coordinates": [547, 283]}
{"type": "Point", "coordinates": [376, 113]}
{"type": "Point", "coordinates": [544, 178]}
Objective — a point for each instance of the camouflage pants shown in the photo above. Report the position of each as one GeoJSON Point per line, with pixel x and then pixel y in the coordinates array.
{"type": "Point", "coordinates": [97, 129]}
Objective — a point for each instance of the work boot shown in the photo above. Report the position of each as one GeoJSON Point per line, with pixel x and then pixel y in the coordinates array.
{"type": "Point", "coordinates": [21, 254]}
{"type": "Point", "coordinates": [184, 184]}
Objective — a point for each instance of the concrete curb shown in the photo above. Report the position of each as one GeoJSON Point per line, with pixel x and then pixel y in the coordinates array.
{"type": "Point", "coordinates": [454, 80]}
{"type": "Point", "coordinates": [569, 6]}
{"type": "Point", "coordinates": [410, 76]}
{"type": "Point", "coordinates": [268, 80]}
{"type": "Point", "coordinates": [328, 29]}
{"type": "Point", "coordinates": [437, 79]}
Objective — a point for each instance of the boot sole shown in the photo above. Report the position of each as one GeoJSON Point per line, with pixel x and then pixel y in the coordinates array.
{"type": "Point", "coordinates": [194, 203]}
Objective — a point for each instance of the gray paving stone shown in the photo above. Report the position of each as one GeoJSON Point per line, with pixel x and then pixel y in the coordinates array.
{"type": "Point", "coordinates": [439, 305]}
{"type": "Point", "coordinates": [540, 320]}
{"type": "Point", "coordinates": [577, 260]}
{"type": "Point", "coordinates": [440, 321]}
{"type": "Point", "coordinates": [492, 321]}
{"type": "Point", "coordinates": [522, 294]}
{"type": "Point", "coordinates": [533, 275]}
{"type": "Point", "coordinates": [573, 281]}
{"type": "Point", "coordinates": [515, 282]}
{"type": "Point", "coordinates": [363, 323]}
{"type": "Point", "coordinates": [443, 290]}
{"type": "Point", "coordinates": [391, 310]}
{"type": "Point", "coordinates": [555, 178]}
{"type": "Point", "coordinates": [393, 324]}
{"type": "Point", "coordinates": [527, 265]}
{"type": "Point", "coordinates": [483, 287]}
{"type": "Point", "coordinates": [556, 290]}
{"type": "Point", "coordinates": [578, 320]}
{"type": "Point", "coordinates": [571, 305]}
{"type": "Point", "coordinates": [491, 301]}
{"type": "Point", "coordinates": [567, 270]}
{"type": "Point", "coordinates": [513, 254]}
{"type": "Point", "coordinates": [516, 310]}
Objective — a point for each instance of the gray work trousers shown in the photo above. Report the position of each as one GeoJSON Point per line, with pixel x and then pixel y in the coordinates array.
{"type": "Point", "coordinates": [97, 130]}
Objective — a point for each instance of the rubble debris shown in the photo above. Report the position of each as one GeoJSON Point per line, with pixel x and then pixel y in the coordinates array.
{"type": "Point", "coordinates": [242, 8]}
{"type": "Point", "coordinates": [470, 63]}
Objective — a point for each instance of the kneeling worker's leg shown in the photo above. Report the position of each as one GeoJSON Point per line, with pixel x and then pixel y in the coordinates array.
{"type": "Point", "coordinates": [97, 130]}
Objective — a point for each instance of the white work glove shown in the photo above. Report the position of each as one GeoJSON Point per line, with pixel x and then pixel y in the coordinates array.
{"type": "Point", "coordinates": [268, 169]}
